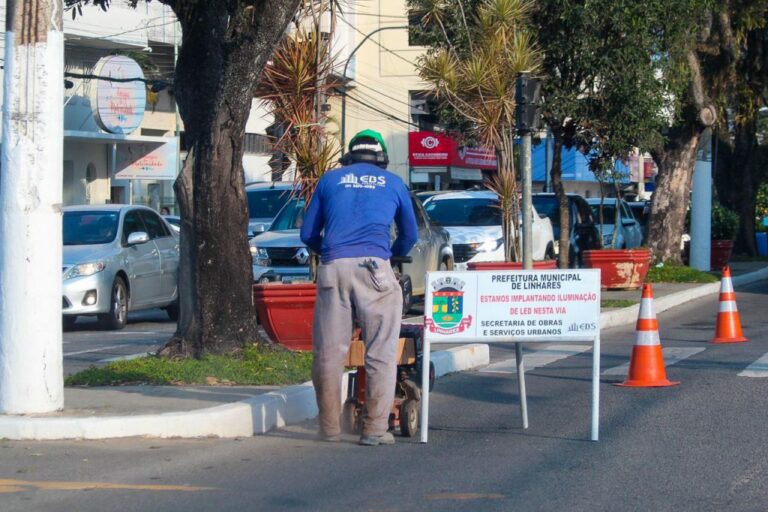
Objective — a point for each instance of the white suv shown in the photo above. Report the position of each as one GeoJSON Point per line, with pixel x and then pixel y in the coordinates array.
{"type": "Point", "coordinates": [473, 219]}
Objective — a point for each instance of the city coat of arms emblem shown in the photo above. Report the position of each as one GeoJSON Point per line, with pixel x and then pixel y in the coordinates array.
{"type": "Point", "coordinates": [447, 315]}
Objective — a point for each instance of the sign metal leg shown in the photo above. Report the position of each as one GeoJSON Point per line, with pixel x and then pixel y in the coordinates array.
{"type": "Point", "coordinates": [521, 383]}
{"type": "Point", "coordinates": [595, 388]}
{"type": "Point", "coordinates": [425, 362]}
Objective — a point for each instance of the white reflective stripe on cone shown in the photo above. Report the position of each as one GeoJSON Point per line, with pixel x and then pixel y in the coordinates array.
{"type": "Point", "coordinates": [727, 306]}
{"type": "Point", "coordinates": [647, 338]}
{"type": "Point", "coordinates": [646, 309]}
{"type": "Point", "coordinates": [727, 286]}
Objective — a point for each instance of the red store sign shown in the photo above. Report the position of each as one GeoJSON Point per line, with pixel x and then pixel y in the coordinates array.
{"type": "Point", "coordinates": [429, 149]}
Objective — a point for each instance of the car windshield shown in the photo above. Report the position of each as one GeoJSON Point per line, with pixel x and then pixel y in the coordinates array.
{"type": "Point", "coordinates": [549, 207]}
{"type": "Point", "coordinates": [89, 227]}
{"type": "Point", "coordinates": [290, 217]}
{"type": "Point", "coordinates": [464, 212]}
{"type": "Point", "coordinates": [265, 203]}
{"type": "Point", "coordinates": [609, 213]}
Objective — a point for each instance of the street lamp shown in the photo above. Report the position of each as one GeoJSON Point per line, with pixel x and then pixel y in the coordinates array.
{"type": "Point", "coordinates": [344, 87]}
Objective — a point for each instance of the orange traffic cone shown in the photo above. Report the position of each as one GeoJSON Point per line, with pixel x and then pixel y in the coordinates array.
{"type": "Point", "coordinates": [728, 326]}
{"type": "Point", "coordinates": [646, 366]}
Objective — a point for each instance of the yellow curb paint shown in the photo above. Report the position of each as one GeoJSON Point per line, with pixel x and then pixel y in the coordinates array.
{"type": "Point", "coordinates": [10, 486]}
{"type": "Point", "coordinates": [464, 496]}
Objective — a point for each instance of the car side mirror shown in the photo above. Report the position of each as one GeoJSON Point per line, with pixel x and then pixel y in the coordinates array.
{"type": "Point", "coordinates": [137, 238]}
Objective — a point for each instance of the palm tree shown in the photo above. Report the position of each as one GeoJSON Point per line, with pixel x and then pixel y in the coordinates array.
{"type": "Point", "coordinates": [480, 86]}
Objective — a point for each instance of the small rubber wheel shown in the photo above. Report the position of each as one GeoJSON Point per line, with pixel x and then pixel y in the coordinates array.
{"type": "Point", "coordinates": [118, 307]}
{"type": "Point", "coordinates": [409, 418]}
{"type": "Point", "coordinates": [351, 418]}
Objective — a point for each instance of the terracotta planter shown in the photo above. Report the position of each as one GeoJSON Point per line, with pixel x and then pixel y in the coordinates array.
{"type": "Point", "coordinates": [510, 265]}
{"type": "Point", "coordinates": [619, 268]}
{"type": "Point", "coordinates": [720, 254]}
{"type": "Point", "coordinates": [286, 312]}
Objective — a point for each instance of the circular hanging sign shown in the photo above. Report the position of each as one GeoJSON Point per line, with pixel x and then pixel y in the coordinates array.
{"type": "Point", "coordinates": [118, 107]}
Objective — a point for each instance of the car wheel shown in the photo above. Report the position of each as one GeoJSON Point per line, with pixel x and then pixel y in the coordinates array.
{"type": "Point", "coordinates": [173, 310]}
{"type": "Point", "coordinates": [444, 266]}
{"type": "Point", "coordinates": [68, 322]}
{"type": "Point", "coordinates": [118, 307]}
{"type": "Point", "coordinates": [407, 288]}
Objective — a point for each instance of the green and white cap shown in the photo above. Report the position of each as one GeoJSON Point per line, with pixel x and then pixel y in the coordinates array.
{"type": "Point", "coordinates": [368, 140]}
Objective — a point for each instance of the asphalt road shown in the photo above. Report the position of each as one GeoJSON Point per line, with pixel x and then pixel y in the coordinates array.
{"type": "Point", "coordinates": [88, 344]}
{"type": "Point", "coordinates": [699, 446]}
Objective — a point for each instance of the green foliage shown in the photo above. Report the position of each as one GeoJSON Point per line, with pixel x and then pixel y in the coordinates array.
{"type": "Point", "coordinates": [671, 273]}
{"type": "Point", "coordinates": [725, 222]}
{"type": "Point", "coordinates": [256, 365]}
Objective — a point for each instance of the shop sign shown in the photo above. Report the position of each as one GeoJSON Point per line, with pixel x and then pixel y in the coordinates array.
{"type": "Point", "coordinates": [118, 107]}
{"type": "Point", "coordinates": [146, 161]}
{"type": "Point", "coordinates": [429, 149]}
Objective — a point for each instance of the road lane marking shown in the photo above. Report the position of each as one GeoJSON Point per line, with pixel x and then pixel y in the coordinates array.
{"type": "Point", "coordinates": [672, 355]}
{"type": "Point", "coordinates": [123, 358]}
{"type": "Point", "coordinates": [99, 349]}
{"type": "Point", "coordinates": [11, 486]}
{"type": "Point", "coordinates": [757, 369]}
{"type": "Point", "coordinates": [542, 357]}
{"type": "Point", "coordinates": [465, 496]}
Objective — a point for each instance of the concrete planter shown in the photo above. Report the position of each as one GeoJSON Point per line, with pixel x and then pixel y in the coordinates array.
{"type": "Point", "coordinates": [286, 312]}
{"type": "Point", "coordinates": [619, 268]}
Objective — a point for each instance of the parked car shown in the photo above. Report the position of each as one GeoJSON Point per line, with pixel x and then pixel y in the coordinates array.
{"type": "Point", "coordinates": [642, 212]}
{"type": "Point", "coordinates": [629, 234]}
{"type": "Point", "coordinates": [474, 221]}
{"type": "Point", "coordinates": [116, 259]}
{"type": "Point", "coordinates": [264, 202]}
{"type": "Point", "coordinates": [279, 254]}
{"type": "Point", "coordinates": [174, 221]}
{"type": "Point", "coordinates": [426, 194]}
{"type": "Point", "coordinates": [582, 229]}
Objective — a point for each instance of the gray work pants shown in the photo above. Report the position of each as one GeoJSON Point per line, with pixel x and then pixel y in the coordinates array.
{"type": "Point", "coordinates": [347, 290]}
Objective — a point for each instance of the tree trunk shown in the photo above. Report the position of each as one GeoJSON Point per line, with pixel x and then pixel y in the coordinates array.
{"type": "Point", "coordinates": [564, 243]}
{"type": "Point", "coordinates": [225, 46]}
{"type": "Point", "coordinates": [737, 180]}
{"type": "Point", "coordinates": [672, 193]}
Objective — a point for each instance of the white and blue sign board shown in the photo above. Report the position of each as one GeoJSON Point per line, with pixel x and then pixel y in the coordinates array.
{"type": "Point", "coordinates": [517, 306]}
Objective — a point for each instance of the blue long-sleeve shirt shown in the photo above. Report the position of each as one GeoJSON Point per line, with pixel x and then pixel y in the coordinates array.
{"type": "Point", "coordinates": [351, 212]}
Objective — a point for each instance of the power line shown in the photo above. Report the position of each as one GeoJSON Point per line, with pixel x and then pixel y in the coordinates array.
{"type": "Point", "coordinates": [385, 114]}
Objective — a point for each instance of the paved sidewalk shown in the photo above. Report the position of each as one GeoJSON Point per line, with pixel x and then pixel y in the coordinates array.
{"type": "Point", "coordinates": [196, 411]}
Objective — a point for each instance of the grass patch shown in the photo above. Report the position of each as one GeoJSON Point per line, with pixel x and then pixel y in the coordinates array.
{"type": "Point", "coordinates": [617, 303]}
{"type": "Point", "coordinates": [667, 273]}
{"type": "Point", "coordinates": [253, 366]}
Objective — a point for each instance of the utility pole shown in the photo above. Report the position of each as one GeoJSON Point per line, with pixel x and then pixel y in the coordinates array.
{"type": "Point", "coordinates": [31, 366]}
{"type": "Point", "coordinates": [526, 97]}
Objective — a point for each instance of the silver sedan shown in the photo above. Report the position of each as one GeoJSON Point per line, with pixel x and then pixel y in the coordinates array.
{"type": "Point", "coordinates": [117, 258]}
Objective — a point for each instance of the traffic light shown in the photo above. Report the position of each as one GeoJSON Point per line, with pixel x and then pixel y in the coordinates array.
{"type": "Point", "coordinates": [526, 98]}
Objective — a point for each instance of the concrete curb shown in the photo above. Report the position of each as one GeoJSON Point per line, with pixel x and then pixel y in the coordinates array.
{"type": "Point", "coordinates": [628, 315]}
{"type": "Point", "coordinates": [257, 415]}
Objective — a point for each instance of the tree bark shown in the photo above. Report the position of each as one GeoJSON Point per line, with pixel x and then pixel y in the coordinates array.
{"type": "Point", "coordinates": [737, 180]}
{"type": "Point", "coordinates": [672, 193]}
{"type": "Point", "coordinates": [564, 243]}
{"type": "Point", "coordinates": [225, 46]}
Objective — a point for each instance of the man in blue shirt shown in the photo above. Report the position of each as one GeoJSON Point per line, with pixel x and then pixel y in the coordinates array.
{"type": "Point", "coordinates": [348, 222]}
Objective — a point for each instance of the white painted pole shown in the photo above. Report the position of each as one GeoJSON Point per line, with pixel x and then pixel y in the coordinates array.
{"type": "Point", "coordinates": [31, 366]}
{"type": "Point", "coordinates": [701, 215]}
{"type": "Point", "coordinates": [521, 383]}
{"type": "Point", "coordinates": [595, 388]}
{"type": "Point", "coordinates": [425, 362]}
